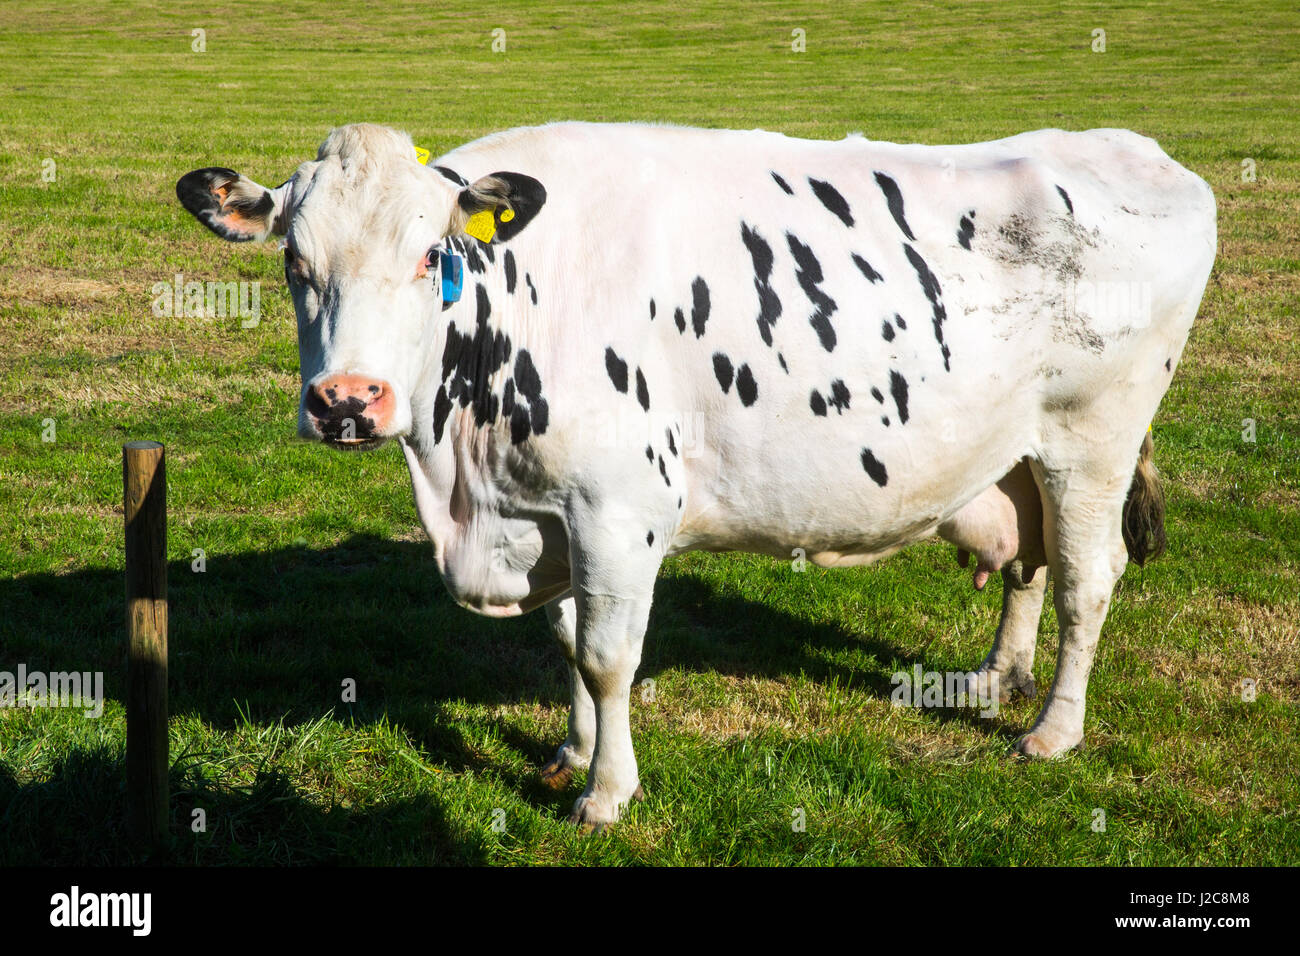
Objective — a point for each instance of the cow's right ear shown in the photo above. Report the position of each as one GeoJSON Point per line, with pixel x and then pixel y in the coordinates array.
{"type": "Point", "coordinates": [233, 206]}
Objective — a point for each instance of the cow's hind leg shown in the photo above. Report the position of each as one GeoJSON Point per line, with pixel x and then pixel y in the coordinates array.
{"type": "Point", "coordinates": [1083, 508]}
{"type": "Point", "coordinates": [575, 752]}
{"type": "Point", "coordinates": [1010, 662]}
{"type": "Point", "coordinates": [1003, 528]}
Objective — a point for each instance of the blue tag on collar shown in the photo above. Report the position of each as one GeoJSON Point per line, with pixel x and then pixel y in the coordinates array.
{"type": "Point", "coordinates": [453, 277]}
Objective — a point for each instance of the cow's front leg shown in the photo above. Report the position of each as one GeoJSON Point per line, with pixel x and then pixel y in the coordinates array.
{"type": "Point", "coordinates": [615, 549]}
{"type": "Point", "coordinates": [610, 631]}
{"type": "Point", "coordinates": [575, 752]}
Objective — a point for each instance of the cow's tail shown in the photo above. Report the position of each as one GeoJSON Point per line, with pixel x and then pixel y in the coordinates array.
{"type": "Point", "coordinates": [1144, 510]}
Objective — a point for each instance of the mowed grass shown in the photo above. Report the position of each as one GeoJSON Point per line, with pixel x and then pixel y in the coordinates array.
{"type": "Point", "coordinates": [770, 701]}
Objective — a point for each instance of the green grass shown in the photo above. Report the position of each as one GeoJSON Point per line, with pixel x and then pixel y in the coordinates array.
{"type": "Point", "coordinates": [772, 687]}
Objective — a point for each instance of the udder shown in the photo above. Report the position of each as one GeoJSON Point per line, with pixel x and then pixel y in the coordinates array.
{"type": "Point", "coordinates": [1002, 524]}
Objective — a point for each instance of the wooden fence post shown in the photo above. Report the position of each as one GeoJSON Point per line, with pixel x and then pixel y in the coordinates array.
{"type": "Point", "coordinates": [144, 485]}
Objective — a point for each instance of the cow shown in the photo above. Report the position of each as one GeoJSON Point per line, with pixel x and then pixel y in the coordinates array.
{"type": "Point", "coordinates": [599, 345]}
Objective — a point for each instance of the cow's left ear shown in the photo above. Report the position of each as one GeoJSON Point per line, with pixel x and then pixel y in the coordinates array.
{"type": "Point", "coordinates": [233, 206]}
{"type": "Point", "coordinates": [511, 200]}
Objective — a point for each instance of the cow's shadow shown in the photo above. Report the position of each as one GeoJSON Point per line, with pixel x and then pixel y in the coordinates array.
{"type": "Point", "coordinates": [76, 815]}
{"type": "Point", "coordinates": [283, 636]}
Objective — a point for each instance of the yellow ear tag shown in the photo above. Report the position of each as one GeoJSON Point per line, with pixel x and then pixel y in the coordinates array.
{"type": "Point", "coordinates": [422, 156]}
{"type": "Point", "coordinates": [507, 215]}
{"type": "Point", "coordinates": [482, 226]}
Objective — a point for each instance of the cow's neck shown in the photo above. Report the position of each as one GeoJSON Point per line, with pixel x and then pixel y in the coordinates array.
{"type": "Point", "coordinates": [468, 388]}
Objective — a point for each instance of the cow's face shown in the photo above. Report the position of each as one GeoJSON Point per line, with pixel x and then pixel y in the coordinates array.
{"type": "Point", "coordinates": [363, 226]}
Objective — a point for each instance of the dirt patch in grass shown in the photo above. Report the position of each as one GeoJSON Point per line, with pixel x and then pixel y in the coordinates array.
{"type": "Point", "coordinates": [39, 286]}
{"type": "Point", "coordinates": [1259, 642]}
{"type": "Point", "coordinates": [750, 706]}
{"type": "Point", "coordinates": [84, 390]}
{"type": "Point", "coordinates": [1204, 489]}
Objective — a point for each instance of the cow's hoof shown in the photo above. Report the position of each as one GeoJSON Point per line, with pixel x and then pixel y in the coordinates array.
{"type": "Point", "coordinates": [595, 813]}
{"type": "Point", "coordinates": [1044, 745]}
{"type": "Point", "coordinates": [1006, 685]}
{"type": "Point", "coordinates": [1016, 683]}
{"type": "Point", "coordinates": [558, 774]}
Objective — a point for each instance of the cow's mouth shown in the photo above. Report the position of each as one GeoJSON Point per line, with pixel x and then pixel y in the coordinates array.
{"type": "Point", "coordinates": [344, 424]}
{"type": "Point", "coordinates": [354, 444]}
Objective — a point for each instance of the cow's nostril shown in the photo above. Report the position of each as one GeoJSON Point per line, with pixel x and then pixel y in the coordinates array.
{"type": "Point", "coordinates": [316, 404]}
{"type": "Point", "coordinates": [337, 396]}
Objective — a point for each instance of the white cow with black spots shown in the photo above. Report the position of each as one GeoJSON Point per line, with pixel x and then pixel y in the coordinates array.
{"type": "Point", "coordinates": [673, 339]}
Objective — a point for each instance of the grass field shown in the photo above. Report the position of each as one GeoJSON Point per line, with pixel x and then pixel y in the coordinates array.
{"type": "Point", "coordinates": [772, 687]}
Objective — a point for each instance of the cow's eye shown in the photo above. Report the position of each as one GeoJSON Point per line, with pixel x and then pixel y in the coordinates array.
{"type": "Point", "coordinates": [294, 267]}
{"type": "Point", "coordinates": [429, 263]}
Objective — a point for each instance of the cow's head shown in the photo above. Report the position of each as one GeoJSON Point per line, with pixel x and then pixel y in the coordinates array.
{"type": "Point", "coordinates": [363, 225]}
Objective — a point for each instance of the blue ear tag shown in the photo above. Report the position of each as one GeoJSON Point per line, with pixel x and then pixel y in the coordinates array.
{"type": "Point", "coordinates": [453, 278]}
